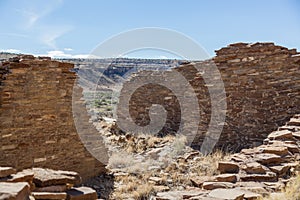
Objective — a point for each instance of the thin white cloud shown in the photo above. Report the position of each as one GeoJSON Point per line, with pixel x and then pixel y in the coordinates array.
{"type": "Point", "coordinates": [62, 54]}
{"type": "Point", "coordinates": [68, 49]}
{"type": "Point", "coordinates": [51, 33]}
{"type": "Point", "coordinates": [58, 54]}
{"type": "Point", "coordinates": [33, 14]}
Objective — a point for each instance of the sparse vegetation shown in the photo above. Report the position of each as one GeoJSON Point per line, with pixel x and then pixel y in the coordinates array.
{"type": "Point", "coordinates": [290, 192]}
{"type": "Point", "coordinates": [121, 160]}
{"type": "Point", "coordinates": [178, 145]}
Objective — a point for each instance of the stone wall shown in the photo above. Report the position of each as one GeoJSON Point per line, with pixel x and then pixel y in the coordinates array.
{"type": "Point", "coordinates": [36, 119]}
{"type": "Point", "coordinates": [262, 83]}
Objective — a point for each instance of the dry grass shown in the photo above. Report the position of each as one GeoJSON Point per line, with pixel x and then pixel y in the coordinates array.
{"type": "Point", "coordinates": [120, 160]}
{"type": "Point", "coordinates": [178, 145]}
{"type": "Point", "coordinates": [133, 187]}
{"type": "Point", "coordinates": [208, 165]}
{"type": "Point", "coordinates": [291, 191]}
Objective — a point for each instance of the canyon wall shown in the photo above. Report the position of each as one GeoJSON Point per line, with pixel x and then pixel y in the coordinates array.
{"type": "Point", "coordinates": [36, 118]}
{"type": "Point", "coordinates": [262, 84]}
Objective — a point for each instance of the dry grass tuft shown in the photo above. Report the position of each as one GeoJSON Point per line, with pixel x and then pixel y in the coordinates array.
{"type": "Point", "coordinates": [133, 187]}
{"type": "Point", "coordinates": [178, 145]}
{"type": "Point", "coordinates": [291, 191]}
{"type": "Point", "coordinates": [121, 160]}
{"type": "Point", "coordinates": [208, 165]}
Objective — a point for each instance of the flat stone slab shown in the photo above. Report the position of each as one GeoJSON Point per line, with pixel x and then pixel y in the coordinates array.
{"type": "Point", "coordinates": [229, 194]}
{"type": "Point", "coordinates": [268, 177]}
{"type": "Point", "coordinates": [227, 178]}
{"type": "Point", "coordinates": [84, 193]}
{"type": "Point", "coordinates": [296, 134]}
{"type": "Point", "coordinates": [6, 171]}
{"type": "Point", "coordinates": [281, 135]}
{"type": "Point", "coordinates": [228, 167]}
{"type": "Point", "coordinates": [255, 168]}
{"type": "Point", "coordinates": [48, 177]}
{"type": "Point", "coordinates": [14, 191]}
{"type": "Point", "coordinates": [294, 122]}
{"type": "Point", "coordinates": [23, 176]}
{"type": "Point", "coordinates": [49, 195]}
{"type": "Point", "coordinates": [281, 151]}
{"type": "Point", "coordinates": [53, 188]}
{"type": "Point", "coordinates": [280, 170]}
{"type": "Point", "coordinates": [268, 158]}
{"type": "Point", "coordinates": [216, 185]}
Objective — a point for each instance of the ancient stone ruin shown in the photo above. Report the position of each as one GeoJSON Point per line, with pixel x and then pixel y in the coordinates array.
{"type": "Point", "coordinates": [262, 84]}
{"type": "Point", "coordinates": [37, 124]}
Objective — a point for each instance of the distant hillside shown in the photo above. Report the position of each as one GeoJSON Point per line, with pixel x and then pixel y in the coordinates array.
{"type": "Point", "coordinates": [107, 72]}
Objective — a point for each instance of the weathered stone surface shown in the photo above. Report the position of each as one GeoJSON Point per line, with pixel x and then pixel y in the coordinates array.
{"type": "Point", "coordinates": [281, 135]}
{"type": "Point", "coordinates": [14, 191]}
{"type": "Point", "coordinates": [294, 122]}
{"type": "Point", "coordinates": [215, 185]}
{"type": "Point", "coordinates": [48, 177]}
{"type": "Point", "coordinates": [82, 193]}
{"type": "Point", "coordinates": [6, 171]}
{"type": "Point", "coordinates": [230, 194]}
{"type": "Point", "coordinates": [160, 188]}
{"type": "Point", "coordinates": [228, 167]}
{"type": "Point", "coordinates": [49, 195]}
{"type": "Point", "coordinates": [177, 195]}
{"type": "Point", "coordinates": [280, 170]}
{"type": "Point", "coordinates": [227, 178]}
{"type": "Point", "coordinates": [23, 176]}
{"type": "Point", "coordinates": [254, 168]}
{"type": "Point", "coordinates": [198, 181]}
{"type": "Point", "coordinates": [269, 176]}
{"type": "Point", "coordinates": [296, 134]}
{"type": "Point", "coordinates": [251, 195]}
{"type": "Point", "coordinates": [52, 188]}
{"type": "Point", "coordinates": [278, 150]}
{"type": "Point", "coordinates": [168, 196]}
{"type": "Point", "coordinates": [268, 159]}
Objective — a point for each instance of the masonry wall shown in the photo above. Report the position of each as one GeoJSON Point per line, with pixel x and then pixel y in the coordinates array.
{"type": "Point", "coordinates": [262, 83]}
{"type": "Point", "coordinates": [36, 121]}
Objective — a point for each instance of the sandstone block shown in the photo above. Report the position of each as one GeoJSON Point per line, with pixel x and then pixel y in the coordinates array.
{"type": "Point", "coordinates": [268, 158]}
{"type": "Point", "coordinates": [48, 177]}
{"type": "Point", "coordinates": [6, 171]}
{"type": "Point", "coordinates": [49, 195]}
{"type": "Point", "coordinates": [228, 167]}
{"type": "Point", "coordinates": [268, 177]}
{"type": "Point", "coordinates": [14, 191]}
{"type": "Point", "coordinates": [230, 194]}
{"type": "Point", "coordinates": [281, 151]}
{"type": "Point", "coordinates": [82, 193]}
{"type": "Point", "coordinates": [215, 185]}
{"type": "Point", "coordinates": [227, 178]}
{"type": "Point", "coordinates": [281, 135]}
{"type": "Point", "coordinates": [254, 168]}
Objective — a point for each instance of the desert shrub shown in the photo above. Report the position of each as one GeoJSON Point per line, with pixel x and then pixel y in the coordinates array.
{"type": "Point", "coordinates": [121, 160]}
{"type": "Point", "coordinates": [178, 146]}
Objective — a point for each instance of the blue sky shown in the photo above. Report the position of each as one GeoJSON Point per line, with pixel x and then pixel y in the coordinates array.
{"type": "Point", "coordinates": [74, 28]}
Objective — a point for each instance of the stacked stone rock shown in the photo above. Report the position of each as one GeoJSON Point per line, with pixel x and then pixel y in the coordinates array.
{"type": "Point", "coordinates": [39, 183]}
{"type": "Point", "coordinates": [36, 120]}
{"type": "Point", "coordinates": [253, 172]}
{"type": "Point", "coordinates": [262, 84]}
